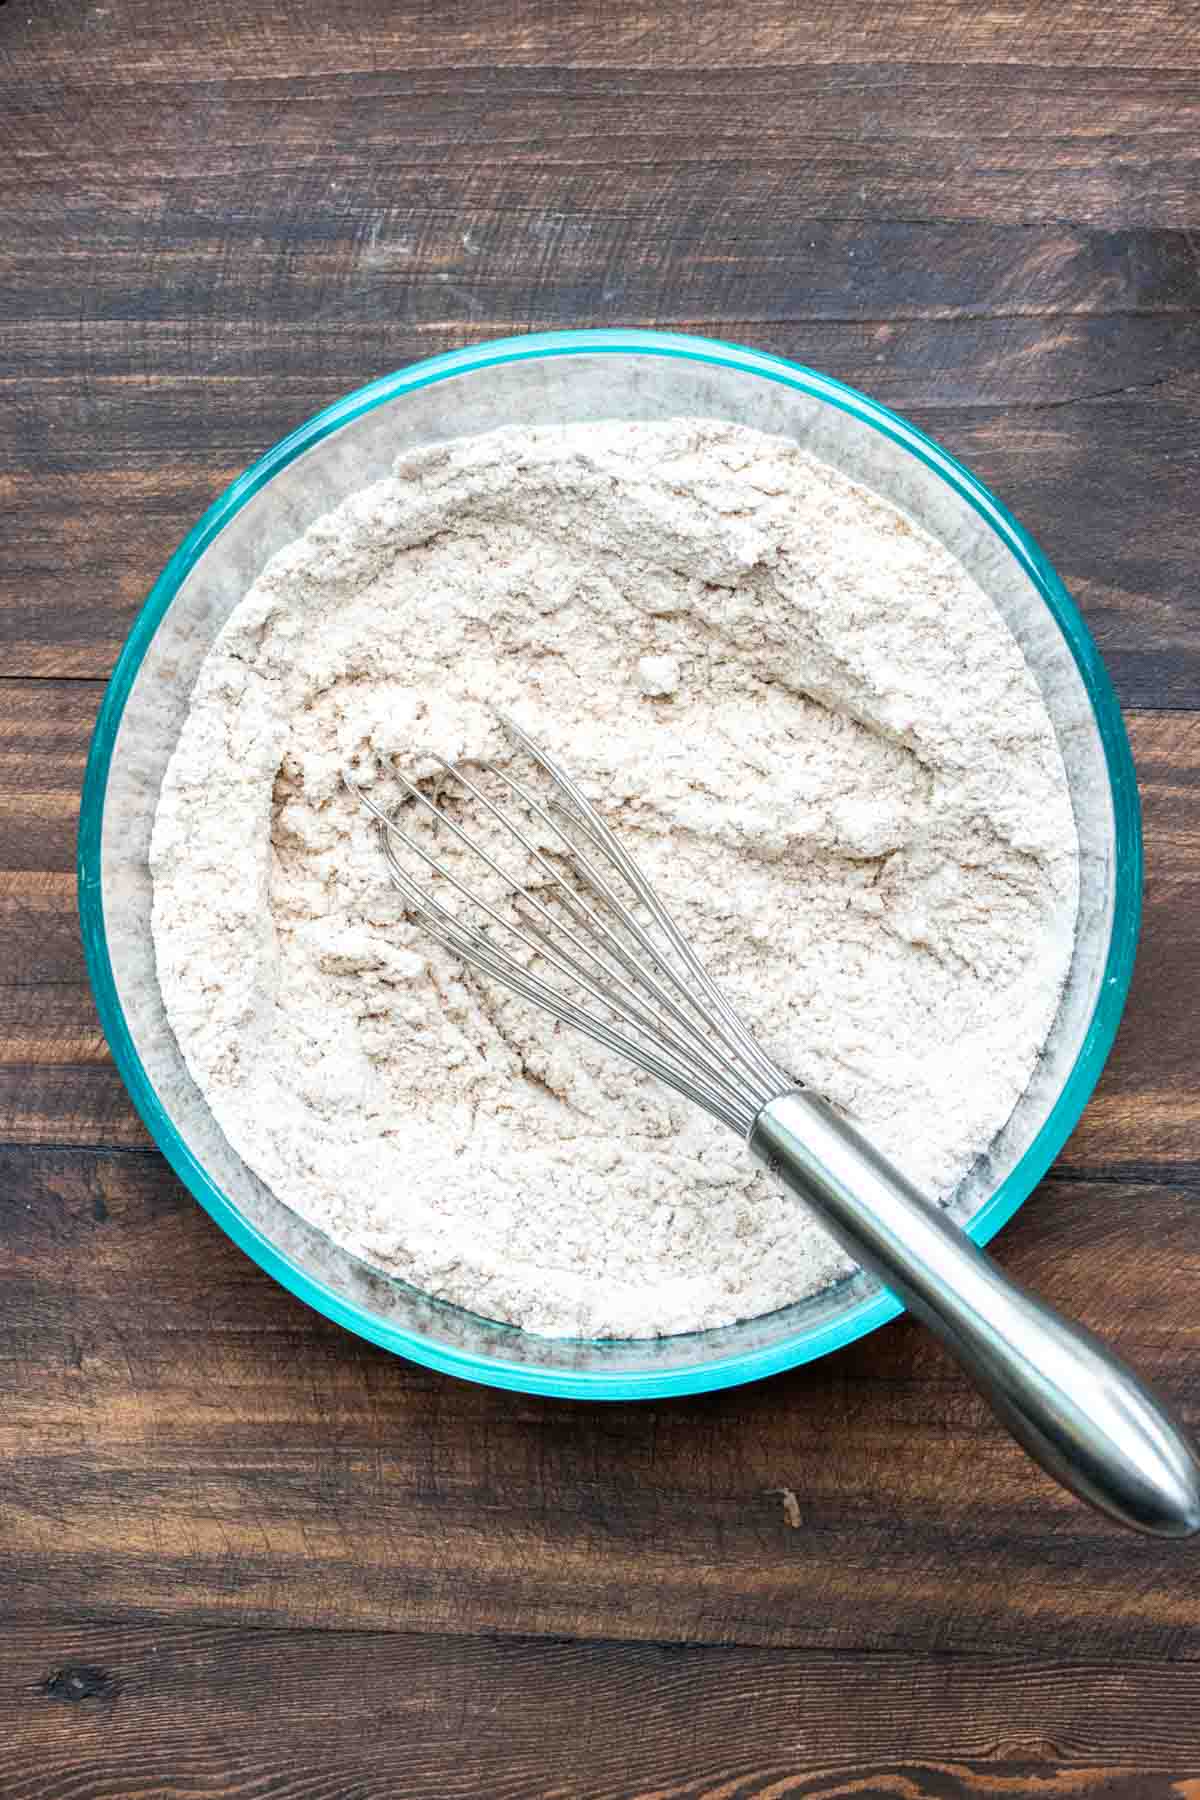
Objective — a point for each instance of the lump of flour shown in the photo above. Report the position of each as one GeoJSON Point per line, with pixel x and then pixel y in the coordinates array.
{"type": "Point", "coordinates": [806, 721]}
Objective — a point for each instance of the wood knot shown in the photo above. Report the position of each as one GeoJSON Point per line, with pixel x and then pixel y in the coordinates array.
{"type": "Point", "coordinates": [80, 1681]}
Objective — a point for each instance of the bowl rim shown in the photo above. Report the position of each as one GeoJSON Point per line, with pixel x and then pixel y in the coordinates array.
{"type": "Point", "coordinates": [865, 1315]}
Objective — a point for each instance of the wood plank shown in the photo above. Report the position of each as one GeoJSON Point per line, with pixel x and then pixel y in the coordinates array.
{"type": "Point", "coordinates": [201, 1713]}
{"type": "Point", "coordinates": [140, 40]}
{"type": "Point", "coordinates": [940, 364]}
{"type": "Point", "coordinates": [646, 247]}
{"type": "Point", "coordinates": [179, 1438]}
{"type": "Point", "coordinates": [713, 127]}
{"type": "Point", "coordinates": [1074, 476]}
{"type": "Point", "coordinates": [54, 1062]}
{"type": "Point", "coordinates": [44, 732]}
{"type": "Point", "coordinates": [1148, 1094]}
{"type": "Point", "coordinates": [58, 1084]}
{"type": "Point", "coordinates": [868, 141]}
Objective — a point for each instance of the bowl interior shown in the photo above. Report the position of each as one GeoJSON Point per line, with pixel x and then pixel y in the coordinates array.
{"type": "Point", "coordinates": [544, 380]}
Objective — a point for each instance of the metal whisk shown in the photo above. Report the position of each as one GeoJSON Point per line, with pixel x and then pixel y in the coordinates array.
{"type": "Point", "coordinates": [578, 930]}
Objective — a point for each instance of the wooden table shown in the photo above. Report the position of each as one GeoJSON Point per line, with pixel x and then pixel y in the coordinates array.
{"type": "Point", "coordinates": [243, 1553]}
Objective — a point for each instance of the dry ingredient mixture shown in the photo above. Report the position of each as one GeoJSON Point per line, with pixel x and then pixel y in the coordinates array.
{"type": "Point", "coordinates": [803, 717]}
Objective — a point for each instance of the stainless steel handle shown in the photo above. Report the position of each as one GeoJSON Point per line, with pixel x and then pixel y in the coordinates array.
{"type": "Point", "coordinates": [1074, 1407]}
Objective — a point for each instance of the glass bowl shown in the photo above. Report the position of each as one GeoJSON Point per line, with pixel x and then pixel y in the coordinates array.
{"type": "Point", "coordinates": [542, 379]}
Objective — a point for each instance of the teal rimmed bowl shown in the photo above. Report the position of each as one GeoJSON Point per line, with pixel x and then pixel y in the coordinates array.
{"type": "Point", "coordinates": [542, 379]}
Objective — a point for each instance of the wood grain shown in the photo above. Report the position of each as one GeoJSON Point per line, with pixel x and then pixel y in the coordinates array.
{"type": "Point", "coordinates": [365, 1715]}
{"type": "Point", "coordinates": [1110, 148]}
{"type": "Point", "coordinates": [178, 302]}
{"type": "Point", "coordinates": [242, 1553]}
{"type": "Point", "coordinates": [180, 1437]}
{"type": "Point", "coordinates": [141, 40]}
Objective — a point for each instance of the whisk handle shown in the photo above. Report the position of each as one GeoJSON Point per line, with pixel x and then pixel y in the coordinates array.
{"type": "Point", "coordinates": [1078, 1411]}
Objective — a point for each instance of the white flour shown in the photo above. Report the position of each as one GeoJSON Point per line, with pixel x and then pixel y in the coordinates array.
{"type": "Point", "coordinates": [806, 721]}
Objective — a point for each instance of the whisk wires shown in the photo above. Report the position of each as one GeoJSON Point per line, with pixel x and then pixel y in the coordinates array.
{"type": "Point", "coordinates": [633, 984]}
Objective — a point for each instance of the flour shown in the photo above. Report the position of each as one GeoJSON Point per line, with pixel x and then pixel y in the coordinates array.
{"type": "Point", "coordinates": [796, 709]}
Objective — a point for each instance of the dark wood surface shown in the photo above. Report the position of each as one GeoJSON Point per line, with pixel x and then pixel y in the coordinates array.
{"type": "Point", "coordinates": [241, 1552]}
